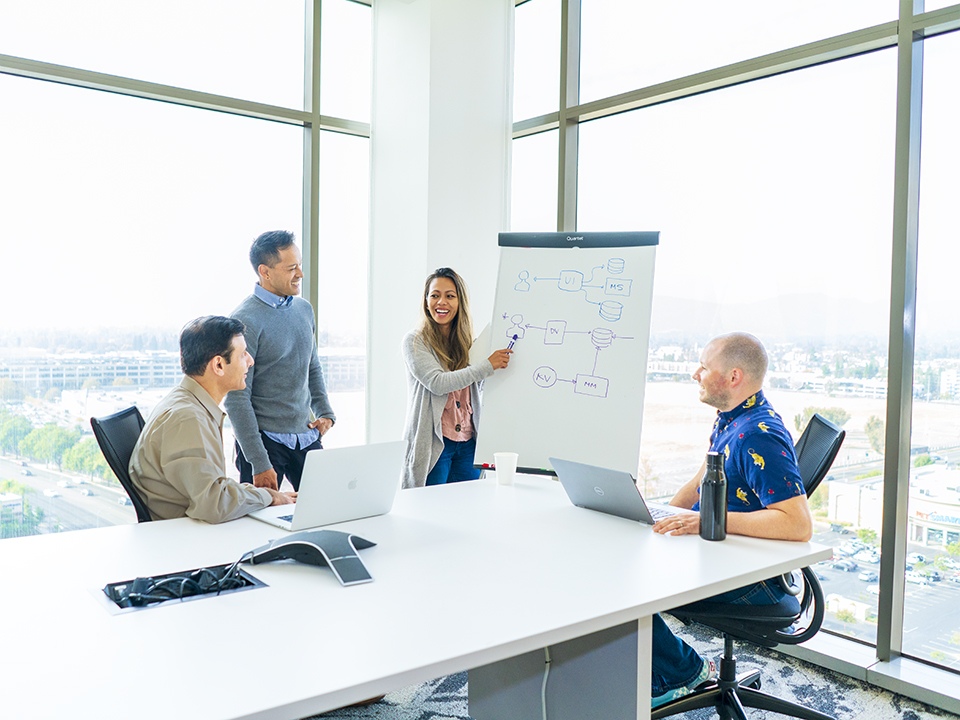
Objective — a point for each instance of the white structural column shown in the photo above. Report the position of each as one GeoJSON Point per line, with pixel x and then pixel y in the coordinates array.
{"type": "Point", "coordinates": [440, 139]}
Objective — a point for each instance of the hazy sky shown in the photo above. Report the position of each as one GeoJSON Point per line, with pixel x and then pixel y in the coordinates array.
{"type": "Point", "coordinates": [140, 214]}
{"type": "Point", "coordinates": [133, 213]}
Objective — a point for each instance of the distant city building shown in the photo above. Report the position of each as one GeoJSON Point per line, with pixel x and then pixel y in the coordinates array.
{"type": "Point", "coordinates": [861, 505]}
{"type": "Point", "coordinates": [11, 503]}
{"type": "Point", "coordinates": [670, 370]}
{"type": "Point", "coordinates": [344, 370]}
{"type": "Point", "coordinates": [934, 506]}
{"type": "Point", "coordinates": [934, 515]}
{"type": "Point", "coordinates": [38, 373]}
{"type": "Point", "coordinates": [950, 384]}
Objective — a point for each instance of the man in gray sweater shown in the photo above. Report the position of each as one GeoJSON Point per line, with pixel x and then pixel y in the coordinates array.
{"type": "Point", "coordinates": [283, 412]}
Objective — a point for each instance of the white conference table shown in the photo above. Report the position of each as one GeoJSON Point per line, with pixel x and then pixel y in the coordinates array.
{"type": "Point", "coordinates": [464, 576]}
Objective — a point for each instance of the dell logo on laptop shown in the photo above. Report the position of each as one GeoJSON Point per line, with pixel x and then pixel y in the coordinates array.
{"type": "Point", "coordinates": [598, 491]}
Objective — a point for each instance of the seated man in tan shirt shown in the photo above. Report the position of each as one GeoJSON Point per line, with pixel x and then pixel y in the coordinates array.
{"type": "Point", "coordinates": [178, 464]}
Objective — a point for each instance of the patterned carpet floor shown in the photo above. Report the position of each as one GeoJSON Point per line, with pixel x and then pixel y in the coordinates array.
{"type": "Point", "coordinates": [823, 690]}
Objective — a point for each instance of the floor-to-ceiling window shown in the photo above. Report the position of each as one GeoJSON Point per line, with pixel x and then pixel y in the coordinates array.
{"type": "Point", "coordinates": [932, 591]}
{"type": "Point", "coordinates": [764, 229]}
{"type": "Point", "coordinates": [761, 142]}
{"type": "Point", "coordinates": [143, 148]}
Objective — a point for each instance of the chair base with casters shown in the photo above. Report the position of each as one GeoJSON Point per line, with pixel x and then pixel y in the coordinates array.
{"type": "Point", "coordinates": [731, 694]}
{"type": "Point", "coordinates": [765, 625]}
{"type": "Point", "coordinates": [795, 619]}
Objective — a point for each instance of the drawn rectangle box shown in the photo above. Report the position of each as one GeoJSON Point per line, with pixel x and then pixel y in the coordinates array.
{"type": "Point", "coordinates": [591, 385]}
{"type": "Point", "coordinates": [555, 331]}
{"type": "Point", "coordinates": [615, 286]}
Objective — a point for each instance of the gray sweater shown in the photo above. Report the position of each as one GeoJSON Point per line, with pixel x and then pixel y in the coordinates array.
{"type": "Point", "coordinates": [285, 389]}
{"type": "Point", "coordinates": [428, 384]}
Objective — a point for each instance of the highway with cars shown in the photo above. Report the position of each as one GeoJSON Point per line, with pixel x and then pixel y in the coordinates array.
{"type": "Point", "coordinates": [67, 508]}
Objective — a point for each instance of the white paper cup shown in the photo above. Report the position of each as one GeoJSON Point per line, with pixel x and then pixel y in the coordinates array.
{"type": "Point", "coordinates": [506, 465]}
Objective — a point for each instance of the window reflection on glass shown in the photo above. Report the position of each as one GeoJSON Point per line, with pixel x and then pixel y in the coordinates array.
{"type": "Point", "coordinates": [773, 200]}
{"type": "Point", "coordinates": [933, 530]}
{"type": "Point", "coordinates": [534, 184]}
{"type": "Point", "coordinates": [536, 75]}
{"type": "Point", "coordinates": [239, 48]}
{"type": "Point", "coordinates": [128, 221]}
{"type": "Point", "coordinates": [626, 45]}
{"type": "Point", "coordinates": [345, 56]}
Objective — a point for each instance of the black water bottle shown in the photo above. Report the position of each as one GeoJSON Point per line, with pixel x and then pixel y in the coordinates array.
{"type": "Point", "coordinates": [713, 499]}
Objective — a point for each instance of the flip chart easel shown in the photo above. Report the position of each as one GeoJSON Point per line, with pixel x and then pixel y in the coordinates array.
{"type": "Point", "coordinates": [579, 304]}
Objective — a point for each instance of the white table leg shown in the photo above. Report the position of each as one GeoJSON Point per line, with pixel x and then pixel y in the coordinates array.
{"type": "Point", "coordinates": [644, 666]}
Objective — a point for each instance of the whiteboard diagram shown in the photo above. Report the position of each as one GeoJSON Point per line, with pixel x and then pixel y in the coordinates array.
{"type": "Point", "coordinates": [579, 321]}
{"type": "Point", "coordinates": [573, 281]}
{"type": "Point", "coordinates": [555, 332]}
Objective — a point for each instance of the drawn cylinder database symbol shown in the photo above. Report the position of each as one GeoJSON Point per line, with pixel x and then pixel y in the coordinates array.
{"type": "Point", "coordinates": [615, 266]}
{"type": "Point", "coordinates": [611, 310]}
{"type": "Point", "coordinates": [602, 337]}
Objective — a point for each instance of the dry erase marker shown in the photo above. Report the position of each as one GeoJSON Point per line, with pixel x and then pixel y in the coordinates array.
{"type": "Point", "coordinates": [510, 346]}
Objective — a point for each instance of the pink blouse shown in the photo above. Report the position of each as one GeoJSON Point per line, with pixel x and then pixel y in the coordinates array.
{"type": "Point", "coordinates": [456, 422]}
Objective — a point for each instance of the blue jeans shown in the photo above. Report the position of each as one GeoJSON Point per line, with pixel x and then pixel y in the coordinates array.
{"type": "Point", "coordinates": [675, 663]}
{"type": "Point", "coordinates": [455, 463]}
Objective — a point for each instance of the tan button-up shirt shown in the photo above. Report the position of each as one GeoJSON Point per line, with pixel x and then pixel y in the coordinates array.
{"type": "Point", "coordinates": [178, 464]}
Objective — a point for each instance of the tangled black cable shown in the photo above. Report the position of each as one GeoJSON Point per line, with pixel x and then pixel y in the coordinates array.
{"type": "Point", "coordinates": [203, 581]}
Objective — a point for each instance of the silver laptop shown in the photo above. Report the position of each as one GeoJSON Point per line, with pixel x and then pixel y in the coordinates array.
{"type": "Point", "coordinates": [608, 491]}
{"type": "Point", "coordinates": [341, 484]}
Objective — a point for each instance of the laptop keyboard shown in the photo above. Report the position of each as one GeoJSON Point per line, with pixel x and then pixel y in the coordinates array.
{"type": "Point", "coordinates": [659, 513]}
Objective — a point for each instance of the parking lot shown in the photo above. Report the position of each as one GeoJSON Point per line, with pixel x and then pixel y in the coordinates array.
{"type": "Point", "coordinates": [931, 623]}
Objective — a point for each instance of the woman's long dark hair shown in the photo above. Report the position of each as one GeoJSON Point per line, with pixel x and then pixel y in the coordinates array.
{"type": "Point", "coordinates": [453, 350]}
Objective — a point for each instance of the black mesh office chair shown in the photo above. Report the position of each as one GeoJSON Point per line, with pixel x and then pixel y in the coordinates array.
{"type": "Point", "coordinates": [765, 625]}
{"type": "Point", "coordinates": [117, 435]}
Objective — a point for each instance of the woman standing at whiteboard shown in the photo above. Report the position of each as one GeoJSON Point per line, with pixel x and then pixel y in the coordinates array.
{"type": "Point", "coordinates": [444, 388]}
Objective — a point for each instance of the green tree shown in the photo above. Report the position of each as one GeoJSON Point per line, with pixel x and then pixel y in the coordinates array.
{"type": "Point", "coordinates": [921, 460]}
{"type": "Point", "coordinates": [820, 498]}
{"type": "Point", "coordinates": [11, 391]}
{"type": "Point", "coordinates": [90, 384]}
{"type": "Point", "coordinates": [85, 457]}
{"type": "Point", "coordinates": [867, 536]}
{"type": "Point", "coordinates": [836, 415]}
{"type": "Point", "coordinates": [15, 487]}
{"type": "Point", "coordinates": [122, 382]}
{"type": "Point", "coordinates": [648, 476]}
{"type": "Point", "coordinates": [953, 548]}
{"type": "Point", "coordinates": [838, 366]}
{"type": "Point", "coordinates": [13, 429]}
{"type": "Point", "coordinates": [49, 443]}
{"type": "Point", "coordinates": [19, 525]}
{"type": "Point", "coordinates": [52, 394]}
{"type": "Point", "coordinates": [875, 430]}
{"type": "Point", "coordinates": [846, 616]}
{"type": "Point", "coordinates": [940, 563]}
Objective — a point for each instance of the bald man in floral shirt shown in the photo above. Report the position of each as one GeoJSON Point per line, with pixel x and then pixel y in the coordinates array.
{"type": "Point", "coordinates": [765, 495]}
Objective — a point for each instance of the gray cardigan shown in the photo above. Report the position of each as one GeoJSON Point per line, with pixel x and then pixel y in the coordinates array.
{"type": "Point", "coordinates": [428, 385]}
